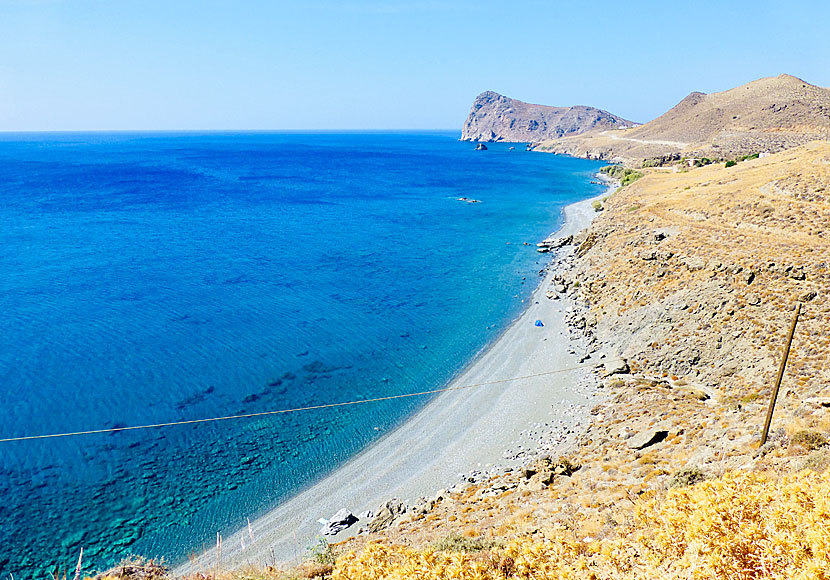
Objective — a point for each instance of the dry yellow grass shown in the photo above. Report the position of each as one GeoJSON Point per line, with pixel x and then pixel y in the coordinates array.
{"type": "Point", "coordinates": [742, 526]}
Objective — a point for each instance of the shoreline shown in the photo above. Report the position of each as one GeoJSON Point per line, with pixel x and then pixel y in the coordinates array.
{"type": "Point", "coordinates": [511, 423]}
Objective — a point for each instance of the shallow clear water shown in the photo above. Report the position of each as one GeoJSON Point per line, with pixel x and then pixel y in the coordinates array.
{"type": "Point", "coordinates": [161, 277]}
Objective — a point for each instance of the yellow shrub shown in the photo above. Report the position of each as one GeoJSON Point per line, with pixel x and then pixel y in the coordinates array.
{"type": "Point", "coordinates": [742, 526]}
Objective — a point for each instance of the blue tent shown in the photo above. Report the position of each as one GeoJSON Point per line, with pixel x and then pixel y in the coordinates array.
{"type": "Point", "coordinates": [539, 323]}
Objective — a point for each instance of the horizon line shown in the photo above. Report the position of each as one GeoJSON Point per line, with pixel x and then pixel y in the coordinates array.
{"type": "Point", "coordinates": [102, 131]}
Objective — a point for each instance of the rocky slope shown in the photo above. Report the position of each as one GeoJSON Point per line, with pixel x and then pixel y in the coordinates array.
{"type": "Point", "coordinates": [691, 278]}
{"type": "Point", "coordinates": [770, 114]}
{"type": "Point", "coordinates": [494, 117]}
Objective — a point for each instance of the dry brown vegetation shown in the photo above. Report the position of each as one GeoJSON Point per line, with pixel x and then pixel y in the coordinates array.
{"type": "Point", "coordinates": [691, 276]}
{"type": "Point", "coordinates": [741, 526]}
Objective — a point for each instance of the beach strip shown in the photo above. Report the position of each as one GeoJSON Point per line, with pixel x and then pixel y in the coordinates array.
{"type": "Point", "coordinates": [458, 432]}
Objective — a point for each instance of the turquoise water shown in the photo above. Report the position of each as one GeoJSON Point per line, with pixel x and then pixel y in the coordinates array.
{"type": "Point", "coordinates": [161, 277]}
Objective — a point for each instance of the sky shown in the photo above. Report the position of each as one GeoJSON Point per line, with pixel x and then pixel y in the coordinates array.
{"type": "Point", "coordinates": [380, 64]}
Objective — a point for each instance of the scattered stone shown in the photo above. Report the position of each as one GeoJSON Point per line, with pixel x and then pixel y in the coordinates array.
{"type": "Point", "coordinates": [807, 296]}
{"type": "Point", "coordinates": [615, 366]}
{"type": "Point", "coordinates": [340, 521]}
{"type": "Point", "coordinates": [386, 515]}
{"type": "Point", "coordinates": [648, 437]}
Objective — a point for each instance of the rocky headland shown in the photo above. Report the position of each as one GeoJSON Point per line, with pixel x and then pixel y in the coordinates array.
{"type": "Point", "coordinates": [494, 117]}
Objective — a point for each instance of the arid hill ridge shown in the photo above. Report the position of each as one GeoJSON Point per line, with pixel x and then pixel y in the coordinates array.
{"type": "Point", "coordinates": [770, 114]}
{"type": "Point", "coordinates": [494, 117]}
{"type": "Point", "coordinates": [769, 105]}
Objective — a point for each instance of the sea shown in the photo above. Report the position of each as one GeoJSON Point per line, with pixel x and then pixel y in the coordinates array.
{"type": "Point", "coordinates": [162, 277]}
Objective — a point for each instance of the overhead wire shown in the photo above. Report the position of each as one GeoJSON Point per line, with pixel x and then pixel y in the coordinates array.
{"type": "Point", "coordinates": [285, 411]}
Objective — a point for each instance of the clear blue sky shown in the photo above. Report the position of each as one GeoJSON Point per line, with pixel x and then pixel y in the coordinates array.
{"type": "Point", "coordinates": [380, 64]}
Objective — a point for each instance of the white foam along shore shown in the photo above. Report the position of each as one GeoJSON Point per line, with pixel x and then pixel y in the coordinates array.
{"type": "Point", "coordinates": [457, 432]}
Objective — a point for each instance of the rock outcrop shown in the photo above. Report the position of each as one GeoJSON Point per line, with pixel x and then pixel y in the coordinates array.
{"type": "Point", "coordinates": [495, 117]}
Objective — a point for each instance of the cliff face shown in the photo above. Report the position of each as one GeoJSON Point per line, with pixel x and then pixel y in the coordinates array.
{"type": "Point", "coordinates": [494, 117]}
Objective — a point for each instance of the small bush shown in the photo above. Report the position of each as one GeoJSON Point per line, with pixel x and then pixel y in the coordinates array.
{"type": "Point", "coordinates": [686, 477]}
{"type": "Point", "coordinates": [323, 553]}
{"type": "Point", "coordinates": [750, 398]}
{"type": "Point", "coordinates": [817, 461]}
{"type": "Point", "coordinates": [597, 205]}
{"type": "Point", "coordinates": [731, 163]}
{"type": "Point", "coordinates": [624, 174]}
{"type": "Point", "coordinates": [811, 440]}
{"type": "Point", "coordinates": [459, 543]}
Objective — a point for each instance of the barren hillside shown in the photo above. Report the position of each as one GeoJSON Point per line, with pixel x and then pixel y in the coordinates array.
{"type": "Point", "coordinates": [770, 114]}
{"type": "Point", "coordinates": [691, 277]}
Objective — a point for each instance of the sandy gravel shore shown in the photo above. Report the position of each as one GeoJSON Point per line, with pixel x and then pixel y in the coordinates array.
{"type": "Point", "coordinates": [459, 432]}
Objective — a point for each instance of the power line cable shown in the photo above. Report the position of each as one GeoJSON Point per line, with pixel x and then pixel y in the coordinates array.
{"type": "Point", "coordinates": [295, 410]}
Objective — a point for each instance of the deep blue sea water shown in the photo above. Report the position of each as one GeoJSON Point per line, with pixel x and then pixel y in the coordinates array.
{"type": "Point", "coordinates": [159, 277]}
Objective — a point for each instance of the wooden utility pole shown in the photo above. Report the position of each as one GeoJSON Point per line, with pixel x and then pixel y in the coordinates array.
{"type": "Point", "coordinates": [781, 368]}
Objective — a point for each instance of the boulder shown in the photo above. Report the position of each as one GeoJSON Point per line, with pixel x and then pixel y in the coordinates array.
{"type": "Point", "coordinates": [558, 242]}
{"type": "Point", "coordinates": [541, 473]}
{"type": "Point", "coordinates": [648, 437]}
{"type": "Point", "coordinates": [340, 521]}
{"type": "Point", "coordinates": [615, 366]}
{"type": "Point", "coordinates": [386, 514]}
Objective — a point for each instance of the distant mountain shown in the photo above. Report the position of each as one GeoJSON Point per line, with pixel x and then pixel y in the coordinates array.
{"type": "Point", "coordinates": [769, 114]}
{"type": "Point", "coordinates": [494, 117]}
